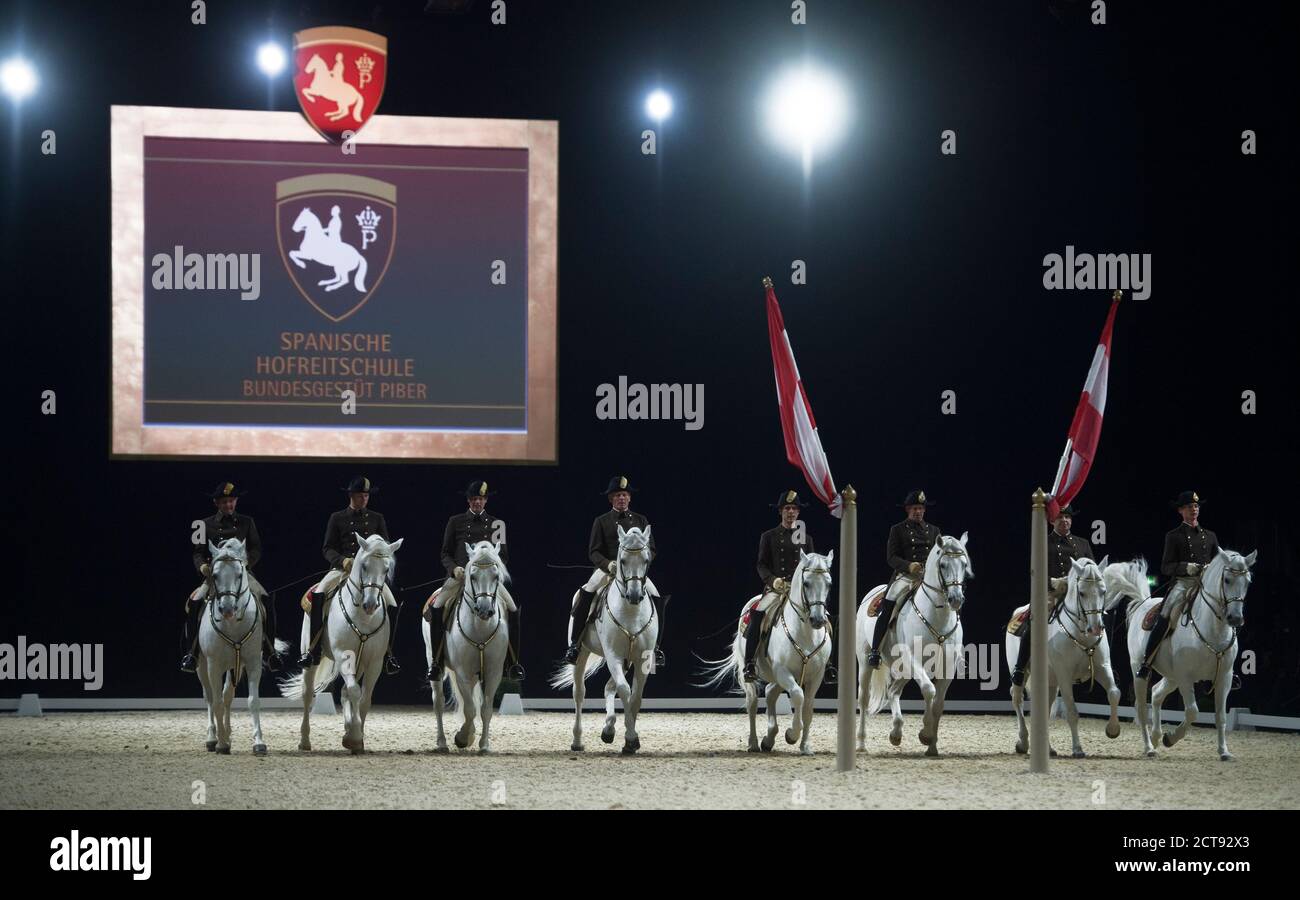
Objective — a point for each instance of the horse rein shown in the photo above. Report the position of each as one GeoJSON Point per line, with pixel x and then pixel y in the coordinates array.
{"type": "Point", "coordinates": [941, 591]}
{"type": "Point", "coordinates": [212, 611]}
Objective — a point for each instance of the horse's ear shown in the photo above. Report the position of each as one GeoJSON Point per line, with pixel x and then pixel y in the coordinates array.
{"type": "Point", "coordinates": [212, 548]}
{"type": "Point", "coordinates": [1250, 560]}
{"type": "Point", "coordinates": [621, 533]}
{"type": "Point", "coordinates": [396, 545]}
{"type": "Point", "coordinates": [803, 557]}
{"type": "Point", "coordinates": [647, 532]}
{"type": "Point", "coordinates": [830, 557]}
{"type": "Point", "coordinates": [1104, 561]}
{"type": "Point", "coordinates": [469, 550]}
{"type": "Point", "coordinates": [361, 542]}
{"type": "Point", "coordinates": [964, 535]}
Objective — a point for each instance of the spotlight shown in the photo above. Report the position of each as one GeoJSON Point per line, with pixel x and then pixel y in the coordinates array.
{"type": "Point", "coordinates": [17, 78]}
{"type": "Point", "coordinates": [271, 58]}
{"type": "Point", "coordinates": [659, 105]}
{"type": "Point", "coordinates": [806, 110]}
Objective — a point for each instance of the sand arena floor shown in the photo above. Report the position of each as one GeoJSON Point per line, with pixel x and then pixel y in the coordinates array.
{"type": "Point", "coordinates": [687, 761]}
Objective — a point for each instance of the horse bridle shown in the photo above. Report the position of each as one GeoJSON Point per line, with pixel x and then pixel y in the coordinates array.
{"type": "Point", "coordinates": [807, 608]}
{"type": "Point", "coordinates": [357, 593]}
{"type": "Point", "coordinates": [621, 580]}
{"type": "Point", "coordinates": [942, 589]}
{"type": "Point", "coordinates": [806, 614]}
{"type": "Point", "coordinates": [238, 645]}
{"type": "Point", "coordinates": [1226, 602]}
{"type": "Point", "coordinates": [243, 587]}
{"type": "Point", "coordinates": [495, 593]}
{"type": "Point", "coordinates": [480, 646]}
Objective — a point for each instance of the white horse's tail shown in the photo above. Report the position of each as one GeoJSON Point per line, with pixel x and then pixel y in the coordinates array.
{"type": "Point", "coordinates": [563, 676]}
{"type": "Point", "coordinates": [877, 688]}
{"type": "Point", "coordinates": [360, 280]}
{"type": "Point", "coordinates": [326, 672]}
{"type": "Point", "coordinates": [729, 668]}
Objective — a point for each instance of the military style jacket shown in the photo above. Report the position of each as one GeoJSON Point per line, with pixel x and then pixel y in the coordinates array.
{"type": "Point", "coordinates": [467, 528]}
{"type": "Point", "coordinates": [1186, 544]}
{"type": "Point", "coordinates": [909, 542]}
{"type": "Point", "coordinates": [340, 543]}
{"type": "Point", "coordinates": [1062, 551]}
{"type": "Point", "coordinates": [778, 554]}
{"type": "Point", "coordinates": [219, 528]}
{"type": "Point", "coordinates": [602, 548]}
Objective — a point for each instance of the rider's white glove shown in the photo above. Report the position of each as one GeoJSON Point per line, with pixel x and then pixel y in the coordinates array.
{"type": "Point", "coordinates": [205, 570]}
{"type": "Point", "coordinates": [778, 584]}
{"type": "Point", "coordinates": [1193, 568]}
{"type": "Point", "coordinates": [458, 573]}
{"type": "Point", "coordinates": [612, 568]}
{"type": "Point", "coordinates": [914, 567]}
{"type": "Point", "coordinates": [347, 564]}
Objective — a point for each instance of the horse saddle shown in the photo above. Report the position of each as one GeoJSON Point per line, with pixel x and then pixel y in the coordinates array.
{"type": "Point", "coordinates": [1149, 620]}
{"type": "Point", "coordinates": [1018, 620]}
{"type": "Point", "coordinates": [769, 618]}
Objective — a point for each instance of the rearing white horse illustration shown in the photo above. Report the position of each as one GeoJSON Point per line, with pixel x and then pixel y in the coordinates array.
{"type": "Point", "coordinates": [317, 246]}
{"type": "Point", "coordinates": [324, 84]}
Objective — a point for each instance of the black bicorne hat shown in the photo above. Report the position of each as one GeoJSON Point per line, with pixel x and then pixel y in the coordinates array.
{"type": "Point", "coordinates": [1185, 498]}
{"type": "Point", "coordinates": [225, 489]}
{"type": "Point", "coordinates": [477, 489]}
{"type": "Point", "coordinates": [361, 485]}
{"type": "Point", "coordinates": [916, 498]}
{"type": "Point", "coordinates": [618, 483]}
{"type": "Point", "coordinates": [789, 498]}
{"type": "Point", "coordinates": [1067, 510]}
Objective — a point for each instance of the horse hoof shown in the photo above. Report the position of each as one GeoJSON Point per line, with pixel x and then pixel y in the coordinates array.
{"type": "Point", "coordinates": [1112, 731]}
{"type": "Point", "coordinates": [607, 734]}
{"type": "Point", "coordinates": [806, 751]}
{"type": "Point", "coordinates": [1051, 753]}
{"type": "Point", "coordinates": [921, 736]}
{"type": "Point", "coordinates": [358, 749]}
{"type": "Point", "coordinates": [1021, 748]}
{"type": "Point", "coordinates": [932, 750]}
{"type": "Point", "coordinates": [461, 743]}
{"type": "Point", "coordinates": [790, 736]}
{"type": "Point", "coordinates": [576, 748]}
{"type": "Point", "coordinates": [304, 746]}
{"type": "Point", "coordinates": [259, 749]}
{"type": "Point", "coordinates": [752, 748]}
{"type": "Point", "coordinates": [1227, 757]}
{"type": "Point", "coordinates": [441, 748]}
{"type": "Point", "coordinates": [862, 747]}
{"type": "Point", "coordinates": [222, 750]}
{"type": "Point", "coordinates": [1151, 754]}
{"type": "Point", "coordinates": [896, 738]}
{"type": "Point", "coordinates": [1164, 739]}
{"type": "Point", "coordinates": [1078, 754]}
{"type": "Point", "coordinates": [634, 742]}
{"type": "Point", "coordinates": [767, 744]}
{"type": "Point", "coordinates": [211, 745]}
{"type": "Point", "coordinates": [484, 751]}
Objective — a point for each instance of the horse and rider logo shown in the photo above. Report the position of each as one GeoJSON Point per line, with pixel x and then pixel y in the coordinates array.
{"type": "Point", "coordinates": [337, 265]}
{"type": "Point", "coordinates": [339, 77]}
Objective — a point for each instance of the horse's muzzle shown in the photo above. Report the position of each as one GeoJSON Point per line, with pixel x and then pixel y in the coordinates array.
{"type": "Point", "coordinates": [1236, 620]}
{"type": "Point", "coordinates": [817, 621]}
{"type": "Point", "coordinates": [369, 606]}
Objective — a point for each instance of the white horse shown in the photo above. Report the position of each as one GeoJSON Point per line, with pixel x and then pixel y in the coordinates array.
{"type": "Point", "coordinates": [230, 642]}
{"type": "Point", "coordinates": [927, 634]}
{"type": "Point", "coordinates": [1077, 651]}
{"type": "Point", "coordinates": [1203, 649]}
{"type": "Point", "coordinates": [475, 649]}
{"type": "Point", "coordinates": [622, 637]}
{"type": "Point", "coordinates": [324, 84]}
{"type": "Point", "coordinates": [353, 641]}
{"type": "Point", "coordinates": [338, 255]}
{"type": "Point", "coordinates": [798, 648]}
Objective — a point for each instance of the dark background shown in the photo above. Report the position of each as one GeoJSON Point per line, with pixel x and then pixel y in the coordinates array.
{"type": "Point", "coordinates": [924, 275]}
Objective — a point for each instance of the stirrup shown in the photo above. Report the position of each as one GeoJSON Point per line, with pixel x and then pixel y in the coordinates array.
{"type": "Point", "coordinates": [660, 659]}
{"type": "Point", "coordinates": [390, 665]}
{"type": "Point", "coordinates": [1144, 671]}
{"type": "Point", "coordinates": [571, 655]}
{"type": "Point", "coordinates": [750, 674]}
{"type": "Point", "coordinates": [435, 672]}
{"type": "Point", "coordinates": [1018, 677]}
{"type": "Point", "coordinates": [515, 672]}
{"type": "Point", "coordinates": [189, 663]}
{"type": "Point", "coordinates": [873, 659]}
{"type": "Point", "coordinates": [831, 674]}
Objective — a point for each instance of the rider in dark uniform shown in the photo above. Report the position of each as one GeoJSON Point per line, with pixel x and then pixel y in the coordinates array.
{"type": "Point", "coordinates": [778, 557]}
{"type": "Point", "coordinates": [906, 551]}
{"type": "Point", "coordinates": [1063, 548]}
{"type": "Point", "coordinates": [602, 549]}
{"type": "Point", "coordinates": [222, 525]}
{"type": "Point", "coordinates": [340, 547]}
{"type": "Point", "coordinates": [470, 527]}
{"type": "Point", "coordinates": [1188, 549]}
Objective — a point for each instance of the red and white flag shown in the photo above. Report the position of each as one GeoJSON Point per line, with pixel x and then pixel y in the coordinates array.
{"type": "Point", "coordinates": [1085, 430]}
{"type": "Point", "coordinates": [803, 446]}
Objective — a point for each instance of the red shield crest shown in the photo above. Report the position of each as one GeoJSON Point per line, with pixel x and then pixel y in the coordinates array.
{"type": "Point", "coordinates": [338, 77]}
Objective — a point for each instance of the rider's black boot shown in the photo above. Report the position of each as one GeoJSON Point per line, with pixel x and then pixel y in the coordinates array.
{"type": "Point", "coordinates": [1153, 643]}
{"type": "Point", "coordinates": [580, 612]}
{"type": "Point", "coordinates": [193, 610]}
{"type": "Point", "coordinates": [273, 658]}
{"type": "Point", "coordinates": [311, 656]}
{"type": "Point", "coordinates": [1022, 655]}
{"type": "Point", "coordinates": [516, 670]}
{"type": "Point", "coordinates": [882, 625]}
{"type": "Point", "coordinates": [752, 632]}
{"type": "Point", "coordinates": [438, 637]}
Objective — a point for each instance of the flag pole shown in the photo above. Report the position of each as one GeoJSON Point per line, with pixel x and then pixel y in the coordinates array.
{"type": "Point", "coordinates": [1041, 703]}
{"type": "Point", "coordinates": [847, 624]}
